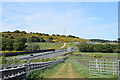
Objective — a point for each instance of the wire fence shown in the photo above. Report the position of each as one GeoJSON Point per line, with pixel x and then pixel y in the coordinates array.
{"type": "Point", "coordinates": [103, 67]}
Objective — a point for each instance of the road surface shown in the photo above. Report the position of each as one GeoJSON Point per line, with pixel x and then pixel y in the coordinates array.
{"type": "Point", "coordinates": [40, 55]}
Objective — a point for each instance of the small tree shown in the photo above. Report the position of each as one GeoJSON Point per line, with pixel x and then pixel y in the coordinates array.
{"type": "Point", "coordinates": [23, 32]}
{"type": "Point", "coordinates": [33, 47]}
{"type": "Point", "coordinates": [49, 39]}
{"type": "Point", "coordinates": [7, 44]}
{"type": "Point", "coordinates": [19, 43]}
{"type": "Point", "coordinates": [16, 31]}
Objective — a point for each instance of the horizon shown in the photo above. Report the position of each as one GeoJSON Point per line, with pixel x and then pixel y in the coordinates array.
{"type": "Point", "coordinates": [86, 20]}
{"type": "Point", "coordinates": [65, 35]}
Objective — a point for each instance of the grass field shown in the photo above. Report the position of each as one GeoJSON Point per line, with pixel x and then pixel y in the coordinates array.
{"type": "Point", "coordinates": [97, 53]}
{"type": "Point", "coordinates": [48, 45]}
{"type": "Point", "coordinates": [53, 45]}
{"type": "Point", "coordinates": [79, 65]}
{"type": "Point", "coordinates": [83, 70]}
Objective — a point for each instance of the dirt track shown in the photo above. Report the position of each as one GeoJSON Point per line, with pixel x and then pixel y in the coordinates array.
{"type": "Point", "coordinates": [65, 71]}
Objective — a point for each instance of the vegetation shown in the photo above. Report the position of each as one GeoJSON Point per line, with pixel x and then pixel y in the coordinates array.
{"type": "Point", "coordinates": [41, 74]}
{"type": "Point", "coordinates": [16, 40]}
{"type": "Point", "coordinates": [13, 62]}
{"type": "Point", "coordinates": [17, 44]}
{"type": "Point", "coordinates": [44, 45]}
{"type": "Point", "coordinates": [21, 41]}
{"type": "Point", "coordinates": [42, 60]}
{"type": "Point", "coordinates": [109, 48]}
{"type": "Point", "coordinates": [80, 65]}
{"type": "Point", "coordinates": [102, 41]}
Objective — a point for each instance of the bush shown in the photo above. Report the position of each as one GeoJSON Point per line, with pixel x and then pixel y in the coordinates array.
{"type": "Point", "coordinates": [84, 47]}
{"type": "Point", "coordinates": [96, 56]}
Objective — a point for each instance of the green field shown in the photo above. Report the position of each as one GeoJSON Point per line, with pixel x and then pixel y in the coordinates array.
{"type": "Point", "coordinates": [103, 54]}
{"type": "Point", "coordinates": [48, 45]}
{"type": "Point", "coordinates": [97, 53]}
{"type": "Point", "coordinates": [80, 67]}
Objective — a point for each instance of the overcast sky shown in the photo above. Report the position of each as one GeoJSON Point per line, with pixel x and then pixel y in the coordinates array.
{"type": "Point", "coordinates": [83, 19]}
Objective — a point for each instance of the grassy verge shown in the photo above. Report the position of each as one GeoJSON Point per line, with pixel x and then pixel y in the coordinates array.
{"type": "Point", "coordinates": [41, 74]}
{"type": "Point", "coordinates": [50, 72]}
{"type": "Point", "coordinates": [83, 70]}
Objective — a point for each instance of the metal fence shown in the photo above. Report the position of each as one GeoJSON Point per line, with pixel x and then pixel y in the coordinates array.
{"type": "Point", "coordinates": [21, 72]}
{"type": "Point", "coordinates": [103, 67]}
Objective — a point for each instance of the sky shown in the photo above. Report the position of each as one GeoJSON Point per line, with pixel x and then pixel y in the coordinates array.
{"type": "Point", "coordinates": [89, 20]}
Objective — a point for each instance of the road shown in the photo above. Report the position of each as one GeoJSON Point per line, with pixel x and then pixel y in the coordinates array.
{"type": "Point", "coordinates": [40, 55]}
{"type": "Point", "coordinates": [63, 45]}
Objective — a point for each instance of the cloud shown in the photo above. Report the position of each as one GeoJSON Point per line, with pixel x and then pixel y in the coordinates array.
{"type": "Point", "coordinates": [93, 18]}
{"type": "Point", "coordinates": [34, 16]}
{"type": "Point", "coordinates": [53, 18]}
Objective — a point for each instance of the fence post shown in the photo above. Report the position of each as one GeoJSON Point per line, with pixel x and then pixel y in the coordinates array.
{"type": "Point", "coordinates": [113, 68]}
{"type": "Point", "coordinates": [104, 65]}
{"type": "Point", "coordinates": [96, 65]}
{"type": "Point", "coordinates": [118, 69]}
{"type": "Point", "coordinates": [100, 69]}
{"type": "Point", "coordinates": [89, 67]}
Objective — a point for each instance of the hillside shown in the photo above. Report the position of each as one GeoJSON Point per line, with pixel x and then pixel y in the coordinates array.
{"type": "Point", "coordinates": [56, 38]}
{"type": "Point", "coordinates": [22, 41]}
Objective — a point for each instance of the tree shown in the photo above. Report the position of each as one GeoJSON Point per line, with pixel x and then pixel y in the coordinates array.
{"type": "Point", "coordinates": [23, 32]}
{"type": "Point", "coordinates": [49, 39]}
{"type": "Point", "coordinates": [53, 34]}
{"type": "Point", "coordinates": [82, 46]}
{"type": "Point", "coordinates": [57, 35]}
{"type": "Point", "coordinates": [16, 31]}
{"type": "Point", "coordinates": [30, 39]}
{"type": "Point", "coordinates": [98, 47]}
{"type": "Point", "coordinates": [63, 35]}
{"type": "Point", "coordinates": [4, 61]}
{"type": "Point", "coordinates": [19, 44]}
{"type": "Point", "coordinates": [33, 47]}
{"type": "Point", "coordinates": [11, 37]}
{"type": "Point", "coordinates": [41, 39]}
{"type": "Point", "coordinates": [72, 36]}
{"type": "Point", "coordinates": [108, 48]}
{"type": "Point", "coordinates": [46, 34]}
{"type": "Point", "coordinates": [7, 44]}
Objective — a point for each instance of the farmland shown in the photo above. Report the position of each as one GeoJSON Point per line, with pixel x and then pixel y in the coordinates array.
{"type": "Point", "coordinates": [77, 62]}
{"type": "Point", "coordinates": [77, 67]}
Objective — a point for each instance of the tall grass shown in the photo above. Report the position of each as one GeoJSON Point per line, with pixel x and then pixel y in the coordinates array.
{"type": "Point", "coordinates": [41, 74]}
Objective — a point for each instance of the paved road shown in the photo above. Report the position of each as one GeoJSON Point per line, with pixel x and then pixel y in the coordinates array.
{"type": "Point", "coordinates": [40, 55]}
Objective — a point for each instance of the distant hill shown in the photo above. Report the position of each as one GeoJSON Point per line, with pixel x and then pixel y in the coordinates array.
{"type": "Point", "coordinates": [45, 37]}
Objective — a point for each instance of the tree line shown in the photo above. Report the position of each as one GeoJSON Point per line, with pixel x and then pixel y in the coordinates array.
{"type": "Point", "coordinates": [24, 32]}
{"type": "Point", "coordinates": [103, 41]}
{"type": "Point", "coordinates": [18, 43]}
{"type": "Point", "coordinates": [108, 48]}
